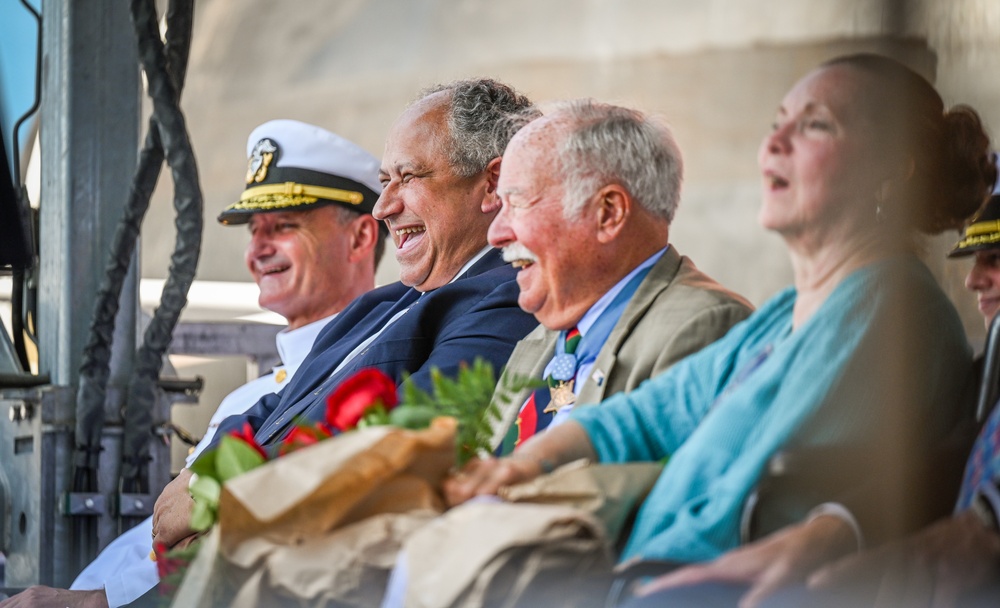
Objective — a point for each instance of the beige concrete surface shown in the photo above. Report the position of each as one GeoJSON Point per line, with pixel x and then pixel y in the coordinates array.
{"type": "Point", "coordinates": [714, 69]}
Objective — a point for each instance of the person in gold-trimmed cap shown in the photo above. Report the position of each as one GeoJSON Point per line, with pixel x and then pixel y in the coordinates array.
{"type": "Point", "coordinates": [982, 239]}
{"type": "Point", "coordinates": [308, 201]}
{"type": "Point", "coordinates": [313, 248]}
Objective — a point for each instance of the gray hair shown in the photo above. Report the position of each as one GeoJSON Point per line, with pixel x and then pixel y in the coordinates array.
{"type": "Point", "coordinates": [481, 119]}
{"type": "Point", "coordinates": [611, 144]}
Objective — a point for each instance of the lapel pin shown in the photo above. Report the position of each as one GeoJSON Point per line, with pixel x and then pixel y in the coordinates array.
{"type": "Point", "coordinates": [598, 377]}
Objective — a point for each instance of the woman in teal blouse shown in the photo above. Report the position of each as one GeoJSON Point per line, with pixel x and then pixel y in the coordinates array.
{"type": "Point", "coordinates": [864, 350]}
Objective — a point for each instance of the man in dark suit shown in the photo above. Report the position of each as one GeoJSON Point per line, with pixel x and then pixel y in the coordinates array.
{"type": "Point", "coordinates": [457, 299]}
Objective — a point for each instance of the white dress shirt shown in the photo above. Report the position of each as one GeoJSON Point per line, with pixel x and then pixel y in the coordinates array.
{"type": "Point", "coordinates": [124, 569]}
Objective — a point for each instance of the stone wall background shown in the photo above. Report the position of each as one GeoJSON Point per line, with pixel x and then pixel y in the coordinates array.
{"type": "Point", "coordinates": [715, 70]}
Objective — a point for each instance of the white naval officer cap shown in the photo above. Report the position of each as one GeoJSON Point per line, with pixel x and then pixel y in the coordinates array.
{"type": "Point", "coordinates": [293, 166]}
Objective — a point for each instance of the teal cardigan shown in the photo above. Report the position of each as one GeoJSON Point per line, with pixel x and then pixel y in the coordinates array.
{"type": "Point", "coordinates": [885, 346]}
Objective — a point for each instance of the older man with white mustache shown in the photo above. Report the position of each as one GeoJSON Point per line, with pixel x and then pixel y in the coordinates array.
{"type": "Point", "coordinates": [588, 194]}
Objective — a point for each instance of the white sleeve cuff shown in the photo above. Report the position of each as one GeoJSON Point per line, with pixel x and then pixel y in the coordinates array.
{"type": "Point", "coordinates": [835, 509]}
{"type": "Point", "coordinates": [131, 583]}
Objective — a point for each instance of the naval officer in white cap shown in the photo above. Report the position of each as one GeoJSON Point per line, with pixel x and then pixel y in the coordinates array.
{"type": "Point", "coordinates": [313, 248]}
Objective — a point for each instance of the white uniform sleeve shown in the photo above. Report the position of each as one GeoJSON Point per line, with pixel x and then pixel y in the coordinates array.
{"type": "Point", "coordinates": [123, 568]}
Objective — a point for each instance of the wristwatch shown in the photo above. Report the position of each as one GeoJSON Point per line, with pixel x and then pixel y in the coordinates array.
{"type": "Point", "coordinates": [986, 506]}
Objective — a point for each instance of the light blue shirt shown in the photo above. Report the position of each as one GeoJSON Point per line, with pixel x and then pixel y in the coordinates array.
{"type": "Point", "coordinates": [588, 320]}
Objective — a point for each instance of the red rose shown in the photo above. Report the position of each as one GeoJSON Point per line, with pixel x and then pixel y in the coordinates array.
{"type": "Point", "coordinates": [365, 389]}
{"type": "Point", "coordinates": [246, 435]}
{"type": "Point", "coordinates": [302, 436]}
{"type": "Point", "coordinates": [165, 564]}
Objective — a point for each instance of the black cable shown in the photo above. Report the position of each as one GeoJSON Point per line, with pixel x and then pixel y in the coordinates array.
{"type": "Point", "coordinates": [184, 435]}
{"type": "Point", "coordinates": [17, 317]}
{"type": "Point", "coordinates": [166, 138]}
{"type": "Point", "coordinates": [30, 292]}
{"type": "Point", "coordinates": [189, 223]}
{"type": "Point", "coordinates": [95, 366]}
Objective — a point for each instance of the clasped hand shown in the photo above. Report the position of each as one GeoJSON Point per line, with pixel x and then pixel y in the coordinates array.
{"type": "Point", "coordinates": [172, 513]}
{"type": "Point", "coordinates": [485, 476]}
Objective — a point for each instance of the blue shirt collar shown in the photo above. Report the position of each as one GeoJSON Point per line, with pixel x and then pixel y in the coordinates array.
{"type": "Point", "coordinates": [588, 319]}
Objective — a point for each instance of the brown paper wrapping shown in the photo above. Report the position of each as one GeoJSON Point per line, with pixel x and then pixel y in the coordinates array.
{"type": "Point", "coordinates": [321, 525]}
{"type": "Point", "coordinates": [488, 553]}
{"type": "Point", "coordinates": [609, 492]}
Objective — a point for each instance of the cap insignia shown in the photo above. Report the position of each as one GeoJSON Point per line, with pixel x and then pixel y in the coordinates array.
{"type": "Point", "coordinates": [260, 159]}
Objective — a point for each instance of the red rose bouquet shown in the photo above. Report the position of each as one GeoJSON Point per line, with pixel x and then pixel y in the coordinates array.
{"type": "Point", "coordinates": [368, 398]}
{"type": "Point", "coordinates": [356, 482]}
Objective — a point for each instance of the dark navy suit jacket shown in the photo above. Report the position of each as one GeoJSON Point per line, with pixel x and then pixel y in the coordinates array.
{"type": "Point", "coordinates": [476, 315]}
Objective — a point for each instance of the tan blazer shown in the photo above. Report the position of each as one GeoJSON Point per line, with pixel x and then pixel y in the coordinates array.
{"type": "Point", "coordinates": [676, 311]}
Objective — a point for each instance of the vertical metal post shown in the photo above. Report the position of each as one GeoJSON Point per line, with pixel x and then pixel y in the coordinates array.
{"type": "Point", "coordinates": [89, 137]}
